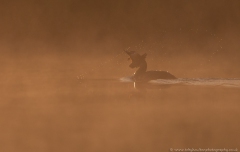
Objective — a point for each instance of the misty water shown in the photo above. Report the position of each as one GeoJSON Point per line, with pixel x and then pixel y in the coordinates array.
{"type": "Point", "coordinates": [49, 108]}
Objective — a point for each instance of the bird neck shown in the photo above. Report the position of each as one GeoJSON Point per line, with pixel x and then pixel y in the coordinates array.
{"type": "Point", "coordinates": [142, 68]}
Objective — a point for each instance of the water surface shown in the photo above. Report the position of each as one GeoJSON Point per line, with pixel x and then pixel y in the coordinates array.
{"type": "Point", "coordinates": [110, 115]}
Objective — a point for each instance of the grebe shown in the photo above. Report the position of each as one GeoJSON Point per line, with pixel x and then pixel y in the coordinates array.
{"type": "Point", "coordinates": [138, 61]}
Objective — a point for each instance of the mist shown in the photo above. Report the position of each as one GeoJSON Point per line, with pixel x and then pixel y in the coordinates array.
{"type": "Point", "coordinates": [93, 29]}
{"type": "Point", "coordinates": [61, 62]}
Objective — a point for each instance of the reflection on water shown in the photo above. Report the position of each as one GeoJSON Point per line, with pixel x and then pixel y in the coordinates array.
{"type": "Point", "coordinates": [187, 81]}
{"type": "Point", "coordinates": [108, 115]}
{"type": "Point", "coordinates": [201, 81]}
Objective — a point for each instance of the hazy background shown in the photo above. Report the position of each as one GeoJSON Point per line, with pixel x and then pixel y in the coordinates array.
{"type": "Point", "coordinates": [188, 38]}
